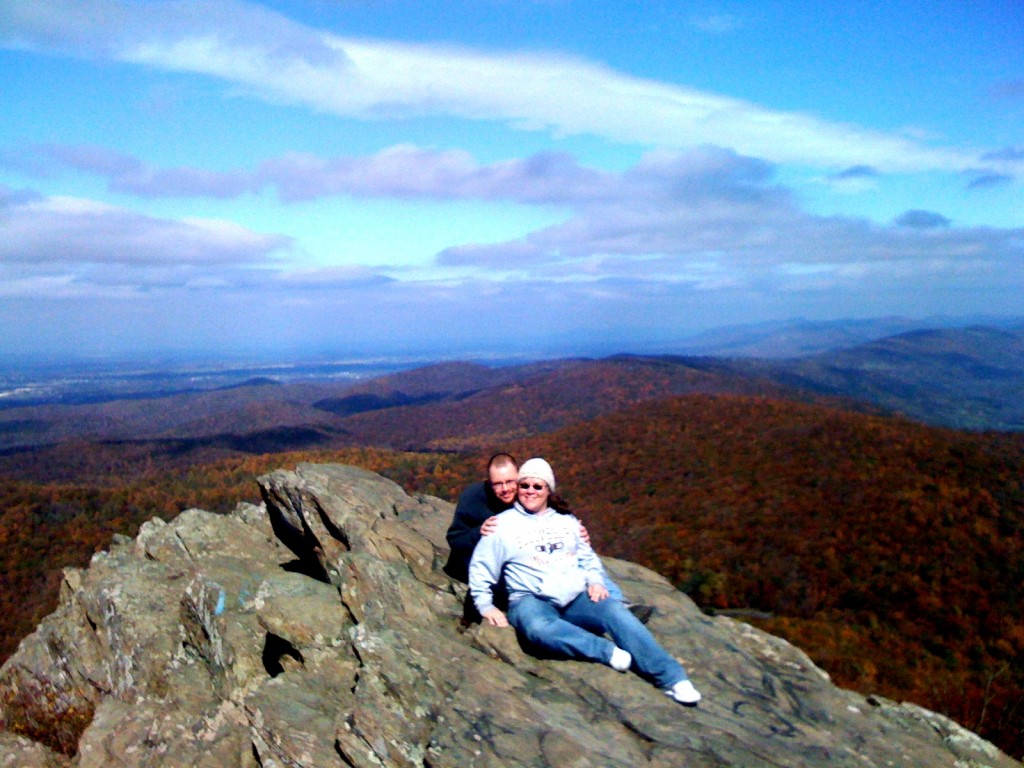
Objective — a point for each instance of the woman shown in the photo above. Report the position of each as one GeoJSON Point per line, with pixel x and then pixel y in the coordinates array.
{"type": "Point", "coordinates": [558, 599]}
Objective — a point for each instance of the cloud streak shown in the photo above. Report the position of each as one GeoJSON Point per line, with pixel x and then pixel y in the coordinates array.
{"type": "Point", "coordinates": [69, 230]}
{"type": "Point", "coordinates": [407, 171]}
{"type": "Point", "coordinates": [274, 58]}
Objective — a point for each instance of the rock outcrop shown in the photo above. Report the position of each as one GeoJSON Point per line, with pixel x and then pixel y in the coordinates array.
{"type": "Point", "coordinates": [318, 629]}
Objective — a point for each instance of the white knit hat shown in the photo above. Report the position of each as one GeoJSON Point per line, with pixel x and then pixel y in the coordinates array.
{"type": "Point", "coordinates": [539, 469]}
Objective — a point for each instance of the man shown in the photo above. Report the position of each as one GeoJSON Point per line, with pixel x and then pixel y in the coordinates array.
{"type": "Point", "coordinates": [476, 516]}
{"type": "Point", "coordinates": [476, 511]}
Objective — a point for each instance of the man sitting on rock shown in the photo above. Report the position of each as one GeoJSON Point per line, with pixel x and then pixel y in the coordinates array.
{"type": "Point", "coordinates": [476, 516]}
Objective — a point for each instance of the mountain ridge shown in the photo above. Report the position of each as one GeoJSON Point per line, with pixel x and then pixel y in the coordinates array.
{"type": "Point", "coordinates": [967, 378]}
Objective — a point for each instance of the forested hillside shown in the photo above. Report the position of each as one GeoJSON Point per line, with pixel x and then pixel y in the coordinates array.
{"type": "Point", "coordinates": [890, 551]}
{"type": "Point", "coordinates": [445, 406]}
{"type": "Point", "coordinates": [967, 378]}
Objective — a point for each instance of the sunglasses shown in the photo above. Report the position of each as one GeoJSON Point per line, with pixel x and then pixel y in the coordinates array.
{"type": "Point", "coordinates": [535, 486]}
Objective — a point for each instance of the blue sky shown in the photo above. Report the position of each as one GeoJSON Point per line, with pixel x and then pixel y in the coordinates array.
{"type": "Point", "coordinates": [496, 177]}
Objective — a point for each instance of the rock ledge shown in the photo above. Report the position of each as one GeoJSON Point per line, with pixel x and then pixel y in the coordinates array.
{"type": "Point", "coordinates": [319, 630]}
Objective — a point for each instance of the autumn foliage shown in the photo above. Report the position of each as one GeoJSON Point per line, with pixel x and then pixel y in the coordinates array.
{"type": "Point", "coordinates": [893, 553]}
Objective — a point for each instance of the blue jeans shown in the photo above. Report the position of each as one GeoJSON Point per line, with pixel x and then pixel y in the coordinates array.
{"type": "Point", "coordinates": [575, 632]}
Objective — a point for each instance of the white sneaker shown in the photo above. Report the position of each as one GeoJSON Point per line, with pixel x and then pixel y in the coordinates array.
{"type": "Point", "coordinates": [684, 693]}
{"type": "Point", "coordinates": [621, 660]}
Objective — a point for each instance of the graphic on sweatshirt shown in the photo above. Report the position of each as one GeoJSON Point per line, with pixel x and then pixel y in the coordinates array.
{"type": "Point", "coordinates": [548, 546]}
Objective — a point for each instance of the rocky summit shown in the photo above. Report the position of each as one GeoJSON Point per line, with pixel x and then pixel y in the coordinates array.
{"type": "Point", "coordinates": [318, 629]}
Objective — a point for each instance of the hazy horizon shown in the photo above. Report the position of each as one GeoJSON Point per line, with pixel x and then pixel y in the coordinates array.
{"type": "Point", "coordinates": [712, 341]}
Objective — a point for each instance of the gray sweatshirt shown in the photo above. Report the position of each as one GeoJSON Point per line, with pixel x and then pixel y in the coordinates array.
{"type": "Point", "coordinates": [541, 554]}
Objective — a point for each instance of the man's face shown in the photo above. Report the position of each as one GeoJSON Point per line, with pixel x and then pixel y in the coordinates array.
{"type": "Point", "coordinates": [503, 482]}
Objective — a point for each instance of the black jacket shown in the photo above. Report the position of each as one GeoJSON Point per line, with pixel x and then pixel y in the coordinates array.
{"type": "Point", "coordinates": [476, 504]}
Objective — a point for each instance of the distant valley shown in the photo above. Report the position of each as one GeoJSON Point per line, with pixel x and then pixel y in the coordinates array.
{"type": "Point", "coordinates": [967, 378]}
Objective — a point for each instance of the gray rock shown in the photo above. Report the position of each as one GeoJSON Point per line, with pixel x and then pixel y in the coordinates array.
{"type": "Point", "coordinates": [20, 752]}
{"type": "Point", "coordinates": [318, 630]}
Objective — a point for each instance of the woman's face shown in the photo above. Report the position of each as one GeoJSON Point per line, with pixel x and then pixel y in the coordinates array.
{"type": "Point", "coordinates": [533, 494]}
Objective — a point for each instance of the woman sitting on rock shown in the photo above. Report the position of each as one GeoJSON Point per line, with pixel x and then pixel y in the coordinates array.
{"type": "Point", "coordinates": [557, 596]}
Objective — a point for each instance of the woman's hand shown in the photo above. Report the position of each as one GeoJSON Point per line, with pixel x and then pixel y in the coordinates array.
{"type": "Point", "coordinates": [497, 619]}
{"type": "Point", "coordinates": [597, 592]}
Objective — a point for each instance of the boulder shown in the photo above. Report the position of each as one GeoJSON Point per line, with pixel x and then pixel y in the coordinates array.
{"type": "Point", "coordinates": [319, 630]}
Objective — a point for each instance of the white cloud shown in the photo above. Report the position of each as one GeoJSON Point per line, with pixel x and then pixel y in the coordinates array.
{"type": "Point", "coordinates": [713, 218]}
{"type": "Point", "coordinates": [280, 60]}
{"type": "Point", "coordinates": [329, 278]}
{"type": "Point", "coordinates": [402, 171]}
{"type": "Point", "coordinates": [73, 230]}
{"type": "Point", "coordinates": [707, 218]}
